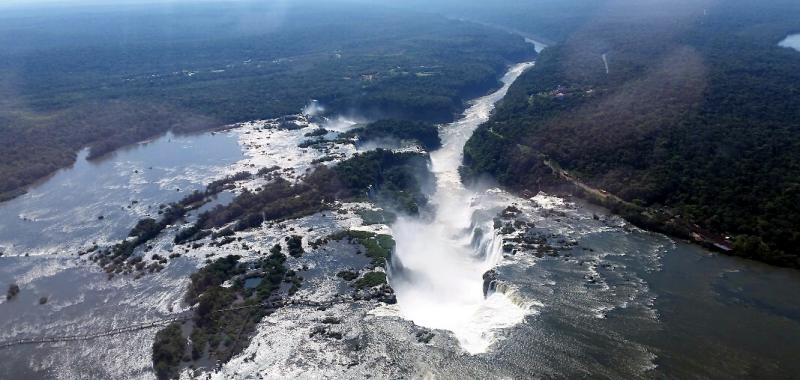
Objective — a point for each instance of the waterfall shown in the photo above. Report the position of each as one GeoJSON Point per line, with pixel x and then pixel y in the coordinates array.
{"type": "Point", "coordinates": [439, 265]}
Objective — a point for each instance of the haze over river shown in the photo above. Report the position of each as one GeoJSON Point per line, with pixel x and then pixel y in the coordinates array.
{"type": "Point", "coordinates": [607, 301]}
{"type": "Point", "coordinates": [791, 41]}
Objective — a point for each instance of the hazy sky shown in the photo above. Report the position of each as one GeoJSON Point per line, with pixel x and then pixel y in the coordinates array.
{"type": "Point", "coordinates": [39, 3]}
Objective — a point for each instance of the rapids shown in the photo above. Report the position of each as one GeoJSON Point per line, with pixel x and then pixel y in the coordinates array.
{"type": "Point", "coordinates": [439, 263]}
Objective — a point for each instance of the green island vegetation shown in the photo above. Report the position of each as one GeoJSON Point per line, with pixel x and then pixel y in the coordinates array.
{"type": "Point", "coordinates": [394, 180]}
{"type": "Point", "coordinates": [168, 351]}
{"type": "Point", "coordinates": [378, 247]}
{"type": "Point", "coordinates": [230, 297]}
{"type": "Point", "coordinates": [347, 275]}
{"type": "Point", "coordinates": [693, 130]}
{"type": "Point", "coordinates": [426, 134]}
{"type": "Point", "coordinates": [370, 280]}
{"type": "Point", "coordinates": [224, 317]}
{"type": "Point", "coordinates": [294, 245]}
{"type": "Point", "coordinates": [317, 132]}
{"type": "Point", "coordinates": [119, 257]}
{"type": "Point", "coordinates": [135, 73]}
{"type": "Point", "coordinates": [378, 216]}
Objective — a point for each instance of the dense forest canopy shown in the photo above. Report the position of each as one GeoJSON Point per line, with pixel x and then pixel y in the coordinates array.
{"type": "Point", "coordinates": [107, 76]}
{"type": "Point", "coordinates": [682, 108]}
{"type": "Point", "coordinates": [426, 134]}
{"type": "Point", "coordinates": [698, 112]}
{"type": "Point", "coordinates": [546, 20]}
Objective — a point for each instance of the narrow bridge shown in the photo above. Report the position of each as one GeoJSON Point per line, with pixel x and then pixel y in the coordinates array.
{"type": "Point", "coordinates": [179, 317]}
{"type": "Point", "coordinates": [78, 337]}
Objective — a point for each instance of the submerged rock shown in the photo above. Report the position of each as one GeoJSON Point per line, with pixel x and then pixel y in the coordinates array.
{"type": "Point", "coordinates": [489, 282]}
{"type": "Point", "coordinates": [424, 336]}
{"type": "Point", "coordinates": [13, 290]}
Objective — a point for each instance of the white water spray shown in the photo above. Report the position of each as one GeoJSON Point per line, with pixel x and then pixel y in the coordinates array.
{"type": "Point", "coordinates": [313, 108]}
{"type": "Point", "coordinates": [439, 279]}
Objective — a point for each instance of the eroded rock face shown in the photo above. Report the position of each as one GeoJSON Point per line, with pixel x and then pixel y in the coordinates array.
{"type": "Point", "coordinates": [489, 282]}
{"type": "Point", "coordinates": [383, 293]}
{"type": "Point", "coordinates": [13, 290]}
{"type": "Point", "coordinates": [520, 234]}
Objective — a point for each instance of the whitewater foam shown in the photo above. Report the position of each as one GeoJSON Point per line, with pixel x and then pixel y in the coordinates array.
{"type": "Point", "coordinates": [439, 264]}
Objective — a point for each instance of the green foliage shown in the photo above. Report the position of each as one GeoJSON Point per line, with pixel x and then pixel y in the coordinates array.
{"type": "Point", "coordinates": [347, 275]}
{"type": "Point", "coordinates": [277, 200]}
{"type": "Point", "coordinates": [145, 229]}
{"type": "Point", "coordinates": [134, 74]}
{"type": "Point", "coordinates": [199, 342]}
{"type": "Point", "coordinates": [699, 121]}
{"type": "Point", "coordinates": [218, 186]}
{"type": "Point", "coordinates": [294, 244]}
{"type": "Point", "coordinates": [168, 350]}
{"type": "Point", "coordinates": [212, 275]}
{"type": "Point", "coordinates": [380, 216]}
{"type": "Point", "coordinates": [426, 134]}
{"type": "Point", "coordinates": [371, 279]}
{"type": "Point", "coordinates": [225, 316]}
{"type": "Point", "coordinates": [379, 246]}
{"type": "Point", "coordinates": [317, 132]}
{"type": "Point", "coordinates": [148, 228]}
{"type": "Point", "coordinates": [393, 179]}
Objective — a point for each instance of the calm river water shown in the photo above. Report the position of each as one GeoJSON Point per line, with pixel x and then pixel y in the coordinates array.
{"type": "Point", "coordinates": [620, 303]}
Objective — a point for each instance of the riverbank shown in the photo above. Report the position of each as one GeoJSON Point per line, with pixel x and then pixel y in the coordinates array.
{"type": "Point", "coordinates": [659, 131]}
{"type": "Point", "coordinates": [408, 73]}
{"type": "Point", "coordinates": [661, 220]}
{"type": "Point", "coordinates": [579, 302]}
{"type": "Point", "coordinates": [368, 111]}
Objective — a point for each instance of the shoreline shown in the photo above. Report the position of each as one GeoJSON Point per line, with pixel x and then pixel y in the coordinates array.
{"type": "Point", "coordinates": [12, 194]}
{"type": "Point", "coordinates": [662, 221]}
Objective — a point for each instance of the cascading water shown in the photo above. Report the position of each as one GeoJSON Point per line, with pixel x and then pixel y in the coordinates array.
{"type": "Point", "coordinates": [440, 263]}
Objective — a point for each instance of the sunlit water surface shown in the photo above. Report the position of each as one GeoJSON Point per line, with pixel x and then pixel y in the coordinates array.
{"type": "Point", "coordinates": [438, 274]}
{"type": "Point", "coordinates": [621, 303]}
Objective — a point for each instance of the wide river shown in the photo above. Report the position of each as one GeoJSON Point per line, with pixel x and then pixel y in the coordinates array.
{"type": "Point", "coordinates": [612, 301]}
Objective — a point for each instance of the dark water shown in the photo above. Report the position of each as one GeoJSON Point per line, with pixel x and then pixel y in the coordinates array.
{"type": "Point", "coordinates": [41, 231]}
{"type": "Point", "coordinates": [652, 308]}
{"type": "Point", "coordinates": [725, 317]}
{"type": "Point", "coordinates": [64, 212]}
{"type": "Point", "coordinates": [82, 301]}
{"type": "Point", "coordinates": [618, 303]}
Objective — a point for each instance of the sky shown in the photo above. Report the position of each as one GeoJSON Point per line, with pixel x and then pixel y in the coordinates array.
{"type": "Point", "coordinates": [44, 3]}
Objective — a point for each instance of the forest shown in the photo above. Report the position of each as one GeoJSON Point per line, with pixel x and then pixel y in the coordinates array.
{"type": "Point", "coordinates": [426, 134]}
{"type": "Point", "coordinates": [697, 116]}
{"type": "Point", "coordinates": [104, 82]}
{"type": "Point", "coordinates": [225, 317]}
{"type": "Point", "coordinates": [390, 179]}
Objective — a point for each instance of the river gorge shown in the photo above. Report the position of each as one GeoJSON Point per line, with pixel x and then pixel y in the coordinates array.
{"type": "Point", "coordinates": [488, 285]}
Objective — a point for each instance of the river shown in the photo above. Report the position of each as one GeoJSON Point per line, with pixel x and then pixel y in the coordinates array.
{"type": "Point", "coordinates": [99, 201]}
{"type": "Point", "coordinates": [41, 232]}
{"type": "Point", "coordinates": [438, 272]}
{"type": "Point", "coordinates": [614, 301]}
{"type": "Point", "coordinates": [606, 300]}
